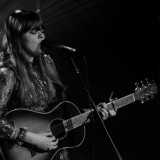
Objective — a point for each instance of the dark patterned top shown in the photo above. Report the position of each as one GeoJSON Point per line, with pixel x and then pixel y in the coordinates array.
{"type": "Point", "coordinates": [9, 94]}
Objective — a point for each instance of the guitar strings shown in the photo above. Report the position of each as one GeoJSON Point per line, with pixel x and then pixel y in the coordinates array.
{"type": "Point", "coordinates": [60, 128]}
{"type": "Point", "coordinates": [57, 129]}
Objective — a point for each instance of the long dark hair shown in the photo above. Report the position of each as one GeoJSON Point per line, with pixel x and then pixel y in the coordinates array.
{"type": "Point", "coordinates": [18, 23]}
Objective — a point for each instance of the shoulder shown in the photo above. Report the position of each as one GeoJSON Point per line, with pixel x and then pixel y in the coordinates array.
{"type": "Point", "coordinates": [6, 74]}
{"type": "Point", "coordinates": [7, 65]}
{"type": "Point", "coordinates": [7, 69]}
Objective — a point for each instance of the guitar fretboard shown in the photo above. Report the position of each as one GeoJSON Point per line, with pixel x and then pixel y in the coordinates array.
{"type": "Point", "coordinates": [124, 101]}
{"type": "Point", "coordinates": [76, 121]}
{"type": "Point", "coordinates": [82, 118]}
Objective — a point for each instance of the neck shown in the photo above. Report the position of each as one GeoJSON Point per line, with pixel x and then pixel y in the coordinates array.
{"type": "Point", "coordinates": [28, 57]}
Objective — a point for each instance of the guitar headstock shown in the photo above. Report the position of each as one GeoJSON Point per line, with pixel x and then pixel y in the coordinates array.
{"type": "Point", "coordinates": [146, 91]}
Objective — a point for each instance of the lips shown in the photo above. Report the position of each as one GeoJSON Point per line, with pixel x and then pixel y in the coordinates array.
{"type": "Point", "coordinates": [41, 46]}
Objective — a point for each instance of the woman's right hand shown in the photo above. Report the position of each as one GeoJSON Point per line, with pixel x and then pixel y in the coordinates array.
{"type": "Point", "coordinates": [44, 141]}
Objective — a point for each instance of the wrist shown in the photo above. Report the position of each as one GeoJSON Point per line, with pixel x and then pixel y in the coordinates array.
{"type": "Point", "coordinates": [14, 133]}
{"type": "Point", "coordinates": [21, 135]}
{"type": "Point", "coordinates": [29, 138]}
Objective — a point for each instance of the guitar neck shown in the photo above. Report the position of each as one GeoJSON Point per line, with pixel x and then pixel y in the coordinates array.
{"type": "Point", "coordinates": [76, 121]}
{"type": "Point", "coordinates": [82, 118]}
{"type": "Point", "coordinates": [123, 101]}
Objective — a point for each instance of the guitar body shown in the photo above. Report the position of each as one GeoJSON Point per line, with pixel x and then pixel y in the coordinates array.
{"type": "Point", "coordinates": [43, 122]}
{"type": "Point", "coordinates": [65, 122]}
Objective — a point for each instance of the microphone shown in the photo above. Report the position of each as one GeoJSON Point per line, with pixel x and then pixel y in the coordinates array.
{"type": "Point", "coordinates": [69, 48]}
{"type": "Point", "coordinates": [51, 43]}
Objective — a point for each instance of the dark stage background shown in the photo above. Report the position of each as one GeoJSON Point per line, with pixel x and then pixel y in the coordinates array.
{"type": "Point", "coordinates": [117, 37]}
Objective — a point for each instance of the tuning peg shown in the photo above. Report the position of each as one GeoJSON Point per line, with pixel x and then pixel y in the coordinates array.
{"type": "Point", "coordinates": [137, 86]}
{"type": "Point", "coordinates": [146, 99]}
{"type": "Point", "coordinates": [142, 83]}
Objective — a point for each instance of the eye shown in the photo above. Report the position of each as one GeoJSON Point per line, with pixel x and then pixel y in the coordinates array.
{"type": "Point", "coordinates": [33, 31]}
{"type": "Point", "coordinates": [42, 30]}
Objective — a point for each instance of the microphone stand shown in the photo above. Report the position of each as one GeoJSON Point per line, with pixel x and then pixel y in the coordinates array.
{"type": "Point", "coordinates": [94, 107]}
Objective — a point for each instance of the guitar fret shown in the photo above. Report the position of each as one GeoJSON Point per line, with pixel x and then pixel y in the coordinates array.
{"type": "Point", "coordinates": [109, 106]}
{"type": "Point", "coordinates": [124, 101]}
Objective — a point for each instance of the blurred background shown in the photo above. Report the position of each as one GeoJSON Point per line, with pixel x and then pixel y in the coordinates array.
{"type": "Point", "coordinates": [117, 38]}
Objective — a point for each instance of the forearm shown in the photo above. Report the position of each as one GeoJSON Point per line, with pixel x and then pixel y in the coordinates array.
{"type": "Point", "coordinates": [27, 137]}
{"type": "Point", "coordinates": [10, 132]}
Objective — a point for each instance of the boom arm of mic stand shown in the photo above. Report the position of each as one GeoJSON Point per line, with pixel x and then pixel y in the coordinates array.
{"type": "Point", "coordinates": [95, 109]}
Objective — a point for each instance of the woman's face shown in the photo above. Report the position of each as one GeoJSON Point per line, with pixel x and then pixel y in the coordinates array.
{"type": "Point", "coordinates": [31, 42]}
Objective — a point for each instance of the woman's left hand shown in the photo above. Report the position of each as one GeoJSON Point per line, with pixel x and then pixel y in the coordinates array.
{"type": "Point", "coordinates": [105, 111]}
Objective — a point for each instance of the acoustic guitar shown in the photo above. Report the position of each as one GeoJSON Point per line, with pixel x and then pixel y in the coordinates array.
{"type": "Point", "coordinates": [66, 123]}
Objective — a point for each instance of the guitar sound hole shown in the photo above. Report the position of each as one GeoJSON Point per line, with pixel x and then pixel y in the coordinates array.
{"type": "Point", "coordinates": [57, 128]}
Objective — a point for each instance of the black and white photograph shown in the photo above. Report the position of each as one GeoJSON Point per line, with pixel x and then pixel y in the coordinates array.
{"type": "Point", "coordinates": [79, 80]}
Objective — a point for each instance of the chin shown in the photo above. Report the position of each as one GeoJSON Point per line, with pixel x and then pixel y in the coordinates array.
{"type": "Point", "coordinates": [39, 51]}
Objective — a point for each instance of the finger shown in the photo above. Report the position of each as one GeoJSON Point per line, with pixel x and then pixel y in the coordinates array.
{"type": "Point", "coordinates": [53, 138]}
{"type": "Point", "coordinates": [52, 147]}
{"type": "Point", "coordinates": [104, 114]}
{"type": "Point", "coordinates": [55, 146]}
{"type": "Point", "coordinates": [100, 105]}
{"type": "Point", "coordinates": [112, 112]}
{"type": "Point", "coordinates": [48, 134]}
{"type": "Point", "coordinates": [104, 111]}
{"type": "Point", "coordinates": [104, 105]}
{"type": "Point", "coordinates": [53, 143]}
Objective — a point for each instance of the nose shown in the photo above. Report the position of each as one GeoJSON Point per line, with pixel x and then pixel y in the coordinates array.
{"type": "Point", "coordinates": [41, 35]}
